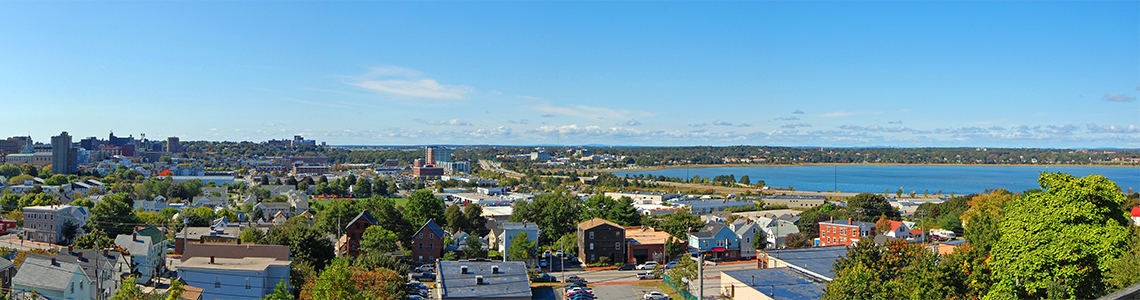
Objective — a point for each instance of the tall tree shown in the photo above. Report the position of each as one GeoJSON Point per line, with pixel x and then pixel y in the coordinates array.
{"type": "Point", "coordinates": [423, 206]}
{"type": "Point", "coordinates": [555, 214]}
{"type": "Point", "coordinates": [759, 239]}
{"type": "Point", "coordinates": [521, 248]}
{"type": "Point", "coordinates": [113, 215]}
{"type": "Point", "coordinates": [1062, 241]}
{"type": "Point", "coordinates": [476, 223]}
{"type": "Point", "coordinates": [867, 207]}
{"type": "Point", "coordinates": [380, 240]}
{"type": "Point", "coordinates": [474, 247]}
{"type": "Point", "coordinates": [342, 281]}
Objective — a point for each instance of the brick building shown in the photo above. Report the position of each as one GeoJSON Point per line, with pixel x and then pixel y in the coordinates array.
{"type": "Point", "coordinates": [598, 238]}
{"type": "Point", "coordinates": [844, 232]}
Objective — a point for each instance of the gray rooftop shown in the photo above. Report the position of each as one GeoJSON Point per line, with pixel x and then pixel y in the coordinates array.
{"type": "Point", "coordinates": [40, 273]}
{"type": "Point", "coordinates": [511, 281]}
{"type": "Point", "coordinates": [818, 260]}
{"type": "Point", "coordinates": [700, 204]}
{"type": "Point", "coordinates": [710, 230]}
{"type": "Point", "coordinates": [780, 283]}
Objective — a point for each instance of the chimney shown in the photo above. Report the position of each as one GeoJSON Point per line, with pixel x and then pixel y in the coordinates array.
{"type": "Point", "coordinates": [494, 269]}
{"type": "Point", "coordinates": [69, 250]}
{"type": "Point", "coordinates": [80, 255]}
{"type": "Point", "coordinates": [53, 261]}
{"type": "Point", "coordinates": [211, 259]}
{"type": "Point", "coordinates": [848, 221]}
{"type": "Point", "coordinates": [463, 270]}
{"type": "Point", "coordinates": [135, 236]}
{"type": "Point", "coordinates": [479, 280]}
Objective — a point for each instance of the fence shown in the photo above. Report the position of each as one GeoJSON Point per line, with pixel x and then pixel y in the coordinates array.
{"type": "Point", "coordinates": [684, 292]}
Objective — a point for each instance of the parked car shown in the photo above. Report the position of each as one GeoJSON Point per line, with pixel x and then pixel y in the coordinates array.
{"type": "Point", "coordinates": [648, 266]}
{"type": "Point", "coordinates": [671, 264]}
{"type": "Point", "coordinates": [626, 267]}
{"type": "Point", "coordinates": [417, 285]}
{"type": "Point", "coordinates": [575, 278]}
{"type": "Point", "coordinates": [578, 291]}
{"type": "Point", "coordinates": [559, 253]}
{"type": "Point", "coordinates": [655, 295]}
{"type": "Point", "coordinates": [425, 268]}
{"type": "Point", "coordinates": [545, 278]}
{"type": "Point", "coordinates": [647, 275]}
{"type": "Point", "coordinates": [415, 297]}
{"type": "Point", "coordinates": [425, 276]}
{"type": "Point", "coordinates": [574, 285]}
{"type": "Point", "coordinates": [542, 263]}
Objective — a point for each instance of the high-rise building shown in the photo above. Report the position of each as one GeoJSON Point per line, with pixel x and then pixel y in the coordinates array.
{"type": "Point", "coordinates": [15, 144]}
{"type": "Point", "coordinates": [172, 145]}
{"type": "Point", "coordinates": [63, 155]}
{"type": "Point", "coordinates": [91, 143]}
{"type": "Point", "coordinates": [436, 155]}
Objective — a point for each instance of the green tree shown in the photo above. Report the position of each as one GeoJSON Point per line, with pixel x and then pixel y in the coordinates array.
{"type": "Point", "coordinates": [867, 207]}
{"type": "Point", "coordinates": [423, 206]}
{"type": "Point", "coordinates": [476, 223]}
{"type": "Point", "coordinates": [280, 292]}
{"type": "Point", "coordinates": [342, 281]}
{"type": "Point", "coordinates": [94, 239]}
{"type": "Point", "coordinates": [455, 218]}
{"type": "Point", "coordinates": [84, 202]}
{"type": "Point", "coordinates": [898, 193]}
{"type": "Point", "coordinates": [554, 213]}
{"type": "Point", "coordinates": [252, 235]}
{"type": "Point", "coordinates": [745, 180]}
{"type": "Point", "coordinates": [521, 248]}
{"type": "Point", "coordinates": [362, 188]}
{"type": "Point", "coordinates": [759, 239]}
{"type": "Point", "coordinates": [378, 239]}
{"type": "Point", "coordinates": [113, 215]}
{"type": "Point", "coordinates": [1064, 239]}
{"type": "Point", "coordinates": [474, 247]}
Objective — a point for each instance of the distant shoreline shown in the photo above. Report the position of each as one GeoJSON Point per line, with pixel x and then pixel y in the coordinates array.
{"type": "Point", "coordinates": [704, 166]}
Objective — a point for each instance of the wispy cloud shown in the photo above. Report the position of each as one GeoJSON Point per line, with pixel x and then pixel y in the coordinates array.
{"type": "Point", "coordinates": [592, 112]}
{"type": "Point", "coordinates": [410, 83]}
{"type": "Point", "coordinates": [699, 125]}
{"type": "Point", "coordinates": [1092, 128]}
{"type": "Point", "coordinates": [1118, 98]}
{"type": "Point", "coordinates": [795, 125]}
{"type": "Point", "coordinates": [452, 122]}
{"type": "Point", "coordinates": [836, 114]}
{"type": "Point", "coordinates": [786, 119]}
{"type": "Point", "coordinates": [523, 121]}
{"type": "Point", "coordinates": [269, 124]}
{"type": "Point", "coordinates": [548, 116]}
{"type": "Point", "coordinates": [721, 123]}
{"type": "Point", "coordinates": [895, 122]}
{"type": "Point", "coordinates": [631, 122]}
{"type": "Point", "coordinates": [798, 112]}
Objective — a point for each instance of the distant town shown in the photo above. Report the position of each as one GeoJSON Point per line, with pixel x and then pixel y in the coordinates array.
{"type": "Point", "coordinates": [133, 218]}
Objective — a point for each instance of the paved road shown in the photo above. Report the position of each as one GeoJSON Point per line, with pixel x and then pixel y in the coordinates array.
{"type": "Point", "coordinates": [627, 276]}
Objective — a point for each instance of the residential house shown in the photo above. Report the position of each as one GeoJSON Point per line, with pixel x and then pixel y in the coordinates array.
{"type": "Point", "coordinates": [51, 278]}
{"type": "Point", "coordinates": [104, 269]}
{"type": "Point", "coordinates": [645, 243]}
{"type": "Point", "coordinates": [46, 224]}
{"type": "Point", "coordinates": [209, 201]}
{"type": "Point", "coordinates": [716, 241]}
{"type": "Point", "coordinates": [427, 243]}
{"type": "Point", "coordinates": [844, 232]}
{"type": "Point", "coordinates": [147, 248]}
{"type": "Point", "coordinates": [746, 231]}
{"type": "Point", "coordinates": [512, 229]}
{"type": "Point", "coordinates": [776, 230]}
{"type": "Point", "coordinates": [898, 230]}
{"type": "Point", "coordinates": [221, 233]}
{"type": "Point", "coordinates": [601, 241]}
{"type": "Point", "coordinates": [7, 270]}
{"type": "Point", "coordinates": [349, 244]}
{"type": "Point", "coordinates": [234, 278]}
{"type": "Point", "coordinates": [270, 209]}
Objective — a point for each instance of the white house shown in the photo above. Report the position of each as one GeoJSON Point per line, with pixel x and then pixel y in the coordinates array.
{"type": "Point", "coordinates": [512, 229]}
{"type": "Point", "coordinates": [52, 279]}
{"type": "Point", "coordinates": [147, 247]}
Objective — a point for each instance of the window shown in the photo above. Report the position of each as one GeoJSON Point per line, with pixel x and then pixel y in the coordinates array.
{"type": "Point", "coordinates": [80, 285]}
{"type": "Point", "coordinates": [431, 246]}
{"type": "Point", "coordinates": [592, 256]}
{"type": "Point", "coordinates": [421, 235]}
{"type": "Point", "coordinates": [843, 231]}
{"type": "Point", "coordinates": [591, 235]}
{"type": "Point", "coordinates": [617, 245]}
{"type": "Point", "coordinates": [73, 287]}
{"type": "Point", "coordinates": [247, 285]}
{"type": "Point", "coordinates": [217, 282]}
{"type": "Point", "coordinates": [591, 247]}
{"type": "Point", "coordinates": [421, 246]}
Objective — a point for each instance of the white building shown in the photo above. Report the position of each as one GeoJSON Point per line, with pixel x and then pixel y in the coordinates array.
{"type": "Point", "coordinates": [46, 223]}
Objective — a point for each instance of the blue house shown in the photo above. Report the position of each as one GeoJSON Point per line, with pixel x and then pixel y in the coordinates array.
{"type": "Point", "coordinates": [715, 241]}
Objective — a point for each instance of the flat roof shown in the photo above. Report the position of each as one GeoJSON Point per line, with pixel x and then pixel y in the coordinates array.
{"type": "Point", "coordinates": [245, 264]}
{"type": "Point", "coordinates": [780, 283]}
{"type": "Point", "coordinates": [511, 280]}
{"type": "Point", "coordinates": [817, 259]}
{"type": "Point", "coordinates": [646, 235]}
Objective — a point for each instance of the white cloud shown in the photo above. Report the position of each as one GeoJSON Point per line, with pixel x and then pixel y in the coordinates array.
{"type": "Point", "coordinates": [591, 112]}
{"type": "Point", "coordinates": [721, 123]}
{"type": "Point", "coordinates": [1092, 128]}
{"type": "Point", "coordinates": [1118, 98]}
{"type": "Point", "coordinates": [270, 124]}
{"type": "Point", "coordinates": [632, 122]}
{"type": "Point", "coordinates": [452, 122]}
{"type": "Point", "coordinates": [408, 82]}
{"type": "Point", "coordinates": [798, 112]}
{"type": "Point", "coordinates": [795, 124]}
{"type": "Point", "coordinates": [895, 122]}
{"type": "Point", "coordinates": [548, 116]}
{"type": "Point", "coordinates": [699, 125]}
{"type": "Point", "coordinates": [523, 121]}
{"type": "Point", "coordinates": [836, 114]}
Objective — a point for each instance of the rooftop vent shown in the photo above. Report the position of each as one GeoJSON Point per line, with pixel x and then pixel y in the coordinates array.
{"type": "Point", "coordinates": [494, 269]}
{"type": "Point", "coordinates": [479, 280]}
{"type": "Point", "coordinates": [463, 270]}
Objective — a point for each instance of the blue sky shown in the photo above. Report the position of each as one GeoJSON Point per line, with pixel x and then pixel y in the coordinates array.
{"type": "Point", "coordinates": [997, 74]}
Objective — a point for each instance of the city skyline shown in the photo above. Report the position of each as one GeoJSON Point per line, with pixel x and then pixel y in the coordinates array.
{"type": "Point", "coordinates": [827, 74]}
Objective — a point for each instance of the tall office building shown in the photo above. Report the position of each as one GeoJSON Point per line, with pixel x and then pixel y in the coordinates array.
{"type": "Point", "coordinates": [436, 155]}
{"type": "Point", "coordinates": [63, 156]}
{"type": "Point", "coordinates": [172, 145]}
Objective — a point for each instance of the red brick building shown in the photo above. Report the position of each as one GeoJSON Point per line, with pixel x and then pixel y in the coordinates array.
{"type": "Point", "coordinates": [349, 244]}
{"type": "Point", "coordinates": [427, 244]}
{"type": "Point", "coordinates": [646, 244]}
{"type": "Point", "coordinates": [844, 232]}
